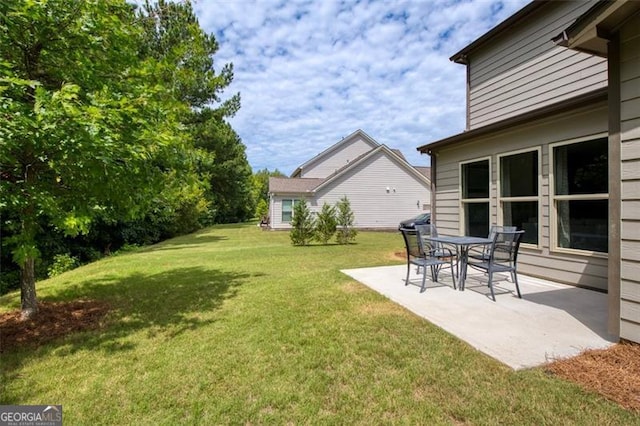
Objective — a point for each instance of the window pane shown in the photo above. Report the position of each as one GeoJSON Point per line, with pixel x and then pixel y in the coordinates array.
{"type": "Point", "coordinates": [583, 224]}
{"type": "Point", "coordinates": [477, 219]}
{"type": "Point", "coordinates": [522, 215]}
{"type": "Point", "coordinates": [287, 210]}
{"type": "Point", "coordinates": [519, 175]}
{"type": "Point", "coordinates": [475, 180]}
{"type": "Point", "coordinates": [581, 168]}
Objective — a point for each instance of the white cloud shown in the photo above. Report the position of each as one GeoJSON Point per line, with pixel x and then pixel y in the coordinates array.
{"type": "Point", "coordinates": [311, 72]}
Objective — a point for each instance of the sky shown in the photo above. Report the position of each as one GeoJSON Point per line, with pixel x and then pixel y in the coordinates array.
{"type": "Point", "coordinates": [312, 72]}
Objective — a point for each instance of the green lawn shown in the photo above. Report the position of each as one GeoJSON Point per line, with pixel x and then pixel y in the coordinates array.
{"type": "Point", "coordinates": [235, 325]}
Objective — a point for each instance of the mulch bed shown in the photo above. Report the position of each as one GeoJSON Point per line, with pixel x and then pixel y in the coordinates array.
{"type": "Point", "coordinates": [54, 320]}
{"type": "Point", "coordinates": [613, 373]}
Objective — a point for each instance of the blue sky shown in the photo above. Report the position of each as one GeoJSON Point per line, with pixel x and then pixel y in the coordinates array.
{"type": "Point", "coordinates": [312, 72]}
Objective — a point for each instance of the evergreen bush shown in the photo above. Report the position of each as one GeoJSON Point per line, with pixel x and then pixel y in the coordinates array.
{"type": "Point", "coordinates": [303, 224]}
{"type": "Point", "coordinates": [346, 233]}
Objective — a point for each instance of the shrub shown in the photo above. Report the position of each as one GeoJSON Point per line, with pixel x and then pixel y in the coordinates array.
{"type": "Point", "coordinates": [326, 224]}
{"type": "Point", "coordinates": [262, 210]}
{"type": "Point", "coordinates": [346, 233]}
{"type": "Point", "coordinates": [303, 224]}
{"type": "Point", "coordinates": [62, 263]}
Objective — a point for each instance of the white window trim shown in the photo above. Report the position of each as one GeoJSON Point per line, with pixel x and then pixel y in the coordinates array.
{"type": "Point", "coordinates": [538, 198]}
{"type": "Point", "coordinates": [293, 205]}
{"type": "Point", "coordinates": [553, 211]}
{"type": "Point", "coordinates": [464, 201]}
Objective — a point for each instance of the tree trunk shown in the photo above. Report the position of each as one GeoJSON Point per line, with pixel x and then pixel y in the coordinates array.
{"type": "Point", "coordinates": [28, 297]}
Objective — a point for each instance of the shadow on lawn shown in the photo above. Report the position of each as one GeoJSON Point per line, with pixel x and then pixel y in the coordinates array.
{"type": "Point", "coordinates": [163, 306]}
{"type": "Point", "coordinates": [184, 242]}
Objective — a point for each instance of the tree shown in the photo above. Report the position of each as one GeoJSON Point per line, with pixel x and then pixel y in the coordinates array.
{"type": "Point", "coordinates": [326, 224]}
{"type": "Point", "coordinates": [303, 224]}
{"type": "Point", "coordinates": [173, 36]}
{"type": "Point", "coordinates": [346, 233]}
{"type": "Point", "coordinates": [85, 130]}
{"type": "Point", "coordinates": [261, 188]}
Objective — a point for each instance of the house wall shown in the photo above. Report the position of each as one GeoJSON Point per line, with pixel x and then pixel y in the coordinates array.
{"type": "Point", "coordinates": [630, 172]}
{"type": "Point", "coordinates": [541, 261]}
{"type": "Point", "coordinates": [340, 156]}
{"type": "Point", "coordinates": [275, 209]}
{"type": "Point", "coordinates": [366, 187]}
{"type": "Point", "coordinates": [522, 69]}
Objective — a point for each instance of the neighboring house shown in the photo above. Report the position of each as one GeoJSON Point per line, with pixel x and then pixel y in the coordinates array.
{"type": "Point", "coordinates": [381, 186]}
{"type": "Point", "coordinates": [552, 145]}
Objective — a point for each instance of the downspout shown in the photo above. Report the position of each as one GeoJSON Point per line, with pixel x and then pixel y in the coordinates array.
{"type": "Point", "coordinates": [432, 178]}
{"type": "Point", "coordinates": [615, 189]}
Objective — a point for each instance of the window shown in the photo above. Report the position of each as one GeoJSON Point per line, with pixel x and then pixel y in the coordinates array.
{"type": "Point", "coordinates": [475, 178]}
{"type": "Point", "coordinates": [287, 210]}
{"type": "Point", "coordinates": [518, 195]}
{"type": "Point", "coordinates": [580, 195]}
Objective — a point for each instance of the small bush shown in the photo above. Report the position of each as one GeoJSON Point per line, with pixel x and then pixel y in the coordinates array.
{"type": "Point", "coordinates": [303, 224]}
{"type": "Point", "coordinates": [346, 233]}
{"type": "Point", "coordinates": [262, 209]}
{"type": "Point", "coordinates": [62, 263]}
{"type": "Point", "coordinates": [326, 224]}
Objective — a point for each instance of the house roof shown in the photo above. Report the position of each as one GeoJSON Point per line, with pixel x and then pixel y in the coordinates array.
{"type": "Point", "coordinates": [510, 22]}
{"type": "Point", "coordinates": [363, 158]}
{"type": "Point", "coordinates": [548, 111]}
{"type": "Point", "coordinates": [293, 185]}
{"type": "Point", "coordinates": [425, 171]}
{"type": "Point", "coordinates": [335, 146]}
{"type": "Point", "coordinates": [592, 30]}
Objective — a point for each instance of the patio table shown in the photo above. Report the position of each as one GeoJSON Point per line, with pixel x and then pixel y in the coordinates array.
{"type": "Point", "coordinates": [462, 244]}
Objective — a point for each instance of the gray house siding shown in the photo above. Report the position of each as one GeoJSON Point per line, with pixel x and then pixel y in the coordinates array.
{"type": "Point", "coordinates": [275, 208]}
{"type": "Point", "coordinates": [340, 156]}
{"type": "Point", "coordinates": [523, 70]}
{"type": "Point", "coordinates": [630, 174]}
{"type": "Point", "coordinates": [584, 270]}
{"type": "Point", "coordinates": [381, 191]}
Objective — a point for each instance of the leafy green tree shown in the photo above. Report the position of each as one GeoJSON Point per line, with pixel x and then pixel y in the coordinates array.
{"type": "Point", "coordinates": [346, 233]}
{"type": "Point", "coordinates": [261, 183]}
{"type": "Point", "coordinates": [229, 175]}
{"type": "Point", "coordinates": [326, 224]}
{"type": "Point", "coordinates": [173, 36]}
{"type": "Point", "coordinates": [303, 224]}
{"type": "Point", "coordinates": [262, 209]}
{"type": "Point", "coordinates": [85, 129]}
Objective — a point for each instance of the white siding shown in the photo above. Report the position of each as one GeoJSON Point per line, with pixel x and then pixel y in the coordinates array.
{"type": "Point", "coordinates": [590, 271]}
{"type": "Point", "coordinates": [366, 187]}
{"type": "Point", "coordinates": [523, 70]}
{"type": "Point", "coordinates": [275, 212]}
{"type": "Point", "coordinates": [630, 167]}
{"type": "Point", "coordinates": [341, 155]}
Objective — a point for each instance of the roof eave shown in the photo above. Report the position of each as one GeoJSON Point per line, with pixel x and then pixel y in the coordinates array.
{"type": "Point", "coordinates": [592, 31]}
{"type": "Point", "coordinates": [510, 22]}
{"type": "Point", "coordinates": [579, 101]}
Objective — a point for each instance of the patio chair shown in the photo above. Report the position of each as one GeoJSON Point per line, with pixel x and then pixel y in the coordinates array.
{"type": "Point", "coordinates": [503, 257]}
{"type": "Point", "coordinates": [424, 258]}
{"type": "Point", "coordinates": [436, 248]}
{"type": "Point", "coordinates": [482, 252]}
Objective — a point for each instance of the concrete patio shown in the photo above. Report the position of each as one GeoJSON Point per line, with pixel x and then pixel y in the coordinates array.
{"type": "Point", "coordinates": [550, 321]}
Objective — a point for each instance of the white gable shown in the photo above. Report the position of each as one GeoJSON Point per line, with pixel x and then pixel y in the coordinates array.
{"type": "Point", "coordinates": [337, 156]}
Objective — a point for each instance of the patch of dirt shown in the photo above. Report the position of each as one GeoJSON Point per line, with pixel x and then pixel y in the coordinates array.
{"type": "Point", "coordinates": [613, 373]}
{"type": "Point", "coordinates": [54, 320]}
{"type": "Point", "coordinates": [398, 255]}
